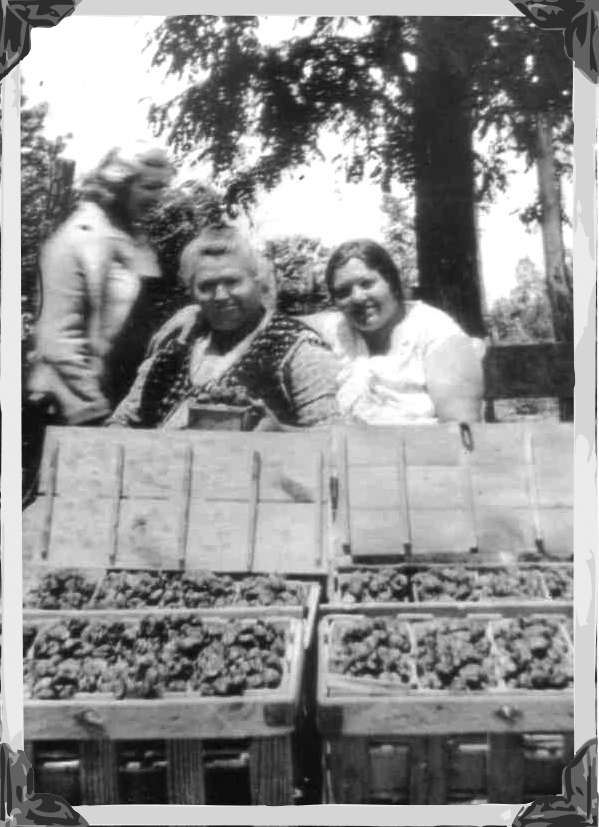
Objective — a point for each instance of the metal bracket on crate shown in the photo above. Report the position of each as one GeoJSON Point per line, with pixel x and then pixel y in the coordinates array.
{"type": "Point", "coordinates": [279, 715]}
{"type": "Point", "coordinates": [91, 720]}
{"type": "Point", "coordinates": [330, 720]}
{"type": "Point", "coordinates": [509, 714]}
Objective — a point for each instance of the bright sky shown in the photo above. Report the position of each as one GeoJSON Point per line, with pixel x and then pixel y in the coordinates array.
{"type": "Point", "coordinates": [101, 102]}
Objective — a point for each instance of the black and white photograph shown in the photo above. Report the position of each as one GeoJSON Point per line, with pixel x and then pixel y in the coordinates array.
{"type": "Point", "coordinates": [297, 382]}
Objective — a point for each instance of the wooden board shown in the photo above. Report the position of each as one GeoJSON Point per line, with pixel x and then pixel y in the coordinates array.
{"type": "Point", "coordinates": [147, 499]}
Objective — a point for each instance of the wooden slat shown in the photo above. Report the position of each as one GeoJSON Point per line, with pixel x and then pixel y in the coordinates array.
{"type": "Point", "coordinates": [558, 530]}
{"type": "Point", "coordinates": [404, 501]}
{"type": "Point", "coordinates": [87, 461]}
{"type": "Point", "coordinates": [185, 771]}
{"type": "Point", "coordinates": [271, 770]}
{"type": "Point", "coordinates": [148, 533]}
{"type": "Point", "coordinates": [99, 771]}
{"type": "Point", "coordinates": [217, 535]}
{"type": "Point", "coordinates": [378, 532]}
{"type": "Point", "coordinates": [255, 472]}
{"type": "Point", "coordinates": [153, 468]}
{"type": "Point", "coordinates": [348, 767]}
{"type": "Point", "coordinates": [506, 769]}
{"type": "Point", "coordinates": [529, 370]}
{"type": "Point", "coordinates": [154, 719]}
{"type": "Point", "coordinates": [418, 770]}
{"type": "Point", "coordinates": [81, 531]}
{"type": "Point", "coordinates": [287, 538]}
{"type": "Point", "coordinates": [446, 714]}
{"type": "Point", "coordinates": [434, 486]}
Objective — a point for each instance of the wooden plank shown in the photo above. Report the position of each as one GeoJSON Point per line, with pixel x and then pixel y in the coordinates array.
{"type": "Point", "coordinates": [33, 520]}
{"type": "Point", "coordinates": [506, 769]}
{"type": "Point", "coordinates": [442, 530]}
{"type": "Point", "coordinates": [217, 535]}
{"type": "Point", "coordinates": [558, 530]}
{"type": "Point", "coordinates": [437, 770]}
{"type": "Point", "coordinates": [87, 461]}
{"type": "Point", "coordinates": [435, 486]}
{"type": "Point", "coordinates": [446, 714]}
{"type": "Point", "coordinates": [153, 468]}
{"type": "Point", "coordinates": [555, 481]}
{"type": "Point", "coordinates": [185, 717]}
{"type": "Point", "coordinates": [503, 487]}
{"type": "Point", "coordinates": [287, 538]}
{"type": "Point", "coordinates": [185, 771]}
{"type": "Point", "coordinates": [378, 532]}
{"type": "Point", "coordinates": [148, 533]}
{"type": "Point", "coordinates": [222, 460]}
{"type": "Point", "coordinates": [271, 770]}
{"type": "Point", "coordinates": [512, 371]}
{"type": "Point", "coordinates": [348, 768]}
{"type": "Point", "coordinates": [432, 445]}
{"type": "Point", "coordinates": [404, 501]}
{"type": "Point", "coordinates": [505, 530]}
{"type": "Point", "coordinates": [389, 772]}
{"type": "Point", "coordinates": [255, 472]}
{"type": "Point", "coordinates": [81, 531]}
{"type": "Point", "coordinates": [374, 488]}
{"type": "Point", "coordinates": [418, 774]}
{"type": "Point", "coordinates": [99, 771]}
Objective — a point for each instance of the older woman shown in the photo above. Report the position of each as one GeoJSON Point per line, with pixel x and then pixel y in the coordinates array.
{"type": "Point", "coordinates": [401, 361]}
{"type": "Point", "coordinates": [92, 271]}
{"type": "Point", "coordinates": [237, 348]}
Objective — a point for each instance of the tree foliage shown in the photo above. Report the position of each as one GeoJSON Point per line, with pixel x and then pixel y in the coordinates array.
{"type": "Point", "coordinates": [405, 96]}
{"type": "Point", "coordinates": [47, 195]}
{"type": "Point", "coordinates": [524, 316]}
{"type": "Point", "coordinates": [299, 264]}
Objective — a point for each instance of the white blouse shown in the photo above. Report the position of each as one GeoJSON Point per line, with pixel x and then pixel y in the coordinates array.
{"type": "Point", "coordinates": [387, 389]}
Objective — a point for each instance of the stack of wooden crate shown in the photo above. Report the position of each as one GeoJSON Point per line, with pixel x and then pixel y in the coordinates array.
{"type": "Point", "coordinates": [235, 503]}
{"type": "Point", "coordinates": [411, 503]}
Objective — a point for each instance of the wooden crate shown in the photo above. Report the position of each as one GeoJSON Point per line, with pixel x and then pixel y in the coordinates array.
{"type": "Point", "coordinates": [415, 602]}
{"type": "Point", "coordinates": [494, 493]}
{"type": "Point", "coordinates": [266, 719]}
{"type": "Point", "coordinates": [231, 502]}
{"type": "Point", "coordinates": [423, 734]}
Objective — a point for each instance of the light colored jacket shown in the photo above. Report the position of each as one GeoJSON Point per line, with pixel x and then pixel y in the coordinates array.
{"type": "Point", "coordinates": [92, 273]}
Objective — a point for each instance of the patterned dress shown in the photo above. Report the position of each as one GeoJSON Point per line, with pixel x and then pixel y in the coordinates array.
{"type": "Point", "coordinates": [284, 366]}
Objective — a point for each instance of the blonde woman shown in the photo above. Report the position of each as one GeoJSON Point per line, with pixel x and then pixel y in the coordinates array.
{"type": "Point", "coordinates": [92, 272]}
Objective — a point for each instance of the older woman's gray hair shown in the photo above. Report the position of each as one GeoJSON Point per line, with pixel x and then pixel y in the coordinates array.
{"type": "Point", "coordinates": [226, 241]}
{"type": "Point", "coordinates": [109, 182]}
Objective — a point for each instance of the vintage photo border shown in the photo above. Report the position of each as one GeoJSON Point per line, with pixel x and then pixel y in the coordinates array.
{"type": "Point", "coordinates": [580, 21]}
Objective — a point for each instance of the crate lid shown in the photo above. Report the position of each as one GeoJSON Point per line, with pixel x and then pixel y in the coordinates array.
{"type": "Point", "coordinates": [223, 501]}
{"type": "Point", "coordinates": [426, 491]}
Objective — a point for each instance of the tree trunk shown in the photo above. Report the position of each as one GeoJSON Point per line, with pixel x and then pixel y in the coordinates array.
{"type": "Point", "coordinates": [444, 177]}
{"type": "Point", "coordinates": [557, 276]}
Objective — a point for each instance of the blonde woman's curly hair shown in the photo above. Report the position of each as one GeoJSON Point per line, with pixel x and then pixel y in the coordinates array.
{"type": "Point", "coordinates": [225, 241]}
{"type": "Point", "coordinates": [109, 183]}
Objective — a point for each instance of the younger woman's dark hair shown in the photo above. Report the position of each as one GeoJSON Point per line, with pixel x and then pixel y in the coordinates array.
{"type": "Point", "coordinates": [374, 256]}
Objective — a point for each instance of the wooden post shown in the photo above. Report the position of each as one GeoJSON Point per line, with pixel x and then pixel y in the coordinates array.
{"type": "Point", "coordinates": [349, 770]}
{"type": "Point", "coordinates": [185, 772]}
{"type": "Point", "coordinates": [505, 769]}
{"type": "Point", "coordinates": [99, 773]}
{"type": "Point", "coordinates": [271, 770]}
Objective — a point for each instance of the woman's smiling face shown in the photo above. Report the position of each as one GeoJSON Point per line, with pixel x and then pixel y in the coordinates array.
{"type": "Point", "coordinates": [365, 297]}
